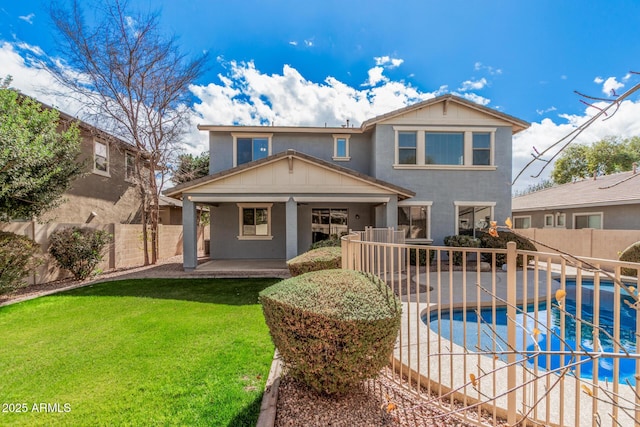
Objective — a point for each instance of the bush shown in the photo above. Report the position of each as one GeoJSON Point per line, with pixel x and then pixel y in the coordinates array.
{"type": "Point", "coordinates": [421, 256]}
{"type": "Point", "coordinates": [333, 328]}
{"type": "Point", "coordinates": [316, 259]}
{"type": "Point", "coordinates": [460, 241]}
{"type": "Point", "coordinates": [631, 254]}
{"type": "Point", "coordinates": [18, 255]}
{"type": "Point", "coordinates": [78, 250]}
{"type": "Point", "coordinates": [500, 242]}
{"type": "Point", "coordinates": [326, 243]}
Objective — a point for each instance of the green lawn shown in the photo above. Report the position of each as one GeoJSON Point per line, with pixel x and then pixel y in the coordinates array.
{"type": "Point", "coordinates": [137, 352]}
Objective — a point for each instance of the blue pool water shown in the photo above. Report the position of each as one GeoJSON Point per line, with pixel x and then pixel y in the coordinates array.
{"type": "Point", "coordinates": [454, 321]}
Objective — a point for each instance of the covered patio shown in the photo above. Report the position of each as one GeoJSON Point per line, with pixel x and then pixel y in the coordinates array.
{"type": "Point", "coordinates": [273, 209]}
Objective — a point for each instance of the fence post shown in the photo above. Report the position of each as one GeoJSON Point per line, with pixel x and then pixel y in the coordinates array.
{"type": "Point", "coordinates": [345, 243]}
{"type": "Point", "coordinates": [512, 401]}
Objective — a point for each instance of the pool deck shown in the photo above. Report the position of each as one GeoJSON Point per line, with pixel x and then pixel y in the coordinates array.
{"type": "Point", "coordinates": [445, 365]}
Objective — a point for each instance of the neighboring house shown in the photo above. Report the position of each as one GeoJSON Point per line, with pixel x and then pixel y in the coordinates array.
{"type": "Point", "coordinates": [171, 211]}
{"type": "Point", "coordinates": [606, 202]}
{"type": "Point", "coordinates": [107, 193]}
{"type": "Point", "coordinates": [436, 168]}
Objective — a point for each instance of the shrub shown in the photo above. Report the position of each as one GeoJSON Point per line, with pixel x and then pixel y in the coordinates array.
{"type": "Point", "coordinates": [18, 255]}
{"type": "Point", "coordinates": [326, 243]}
{"type": "Point", "coordinates": [316, 259]}
{"type": "Point", "coordinates": [460, 241]}
{"type": "Point", "coordinates": [333, 328]}
{"type": "Point", "coordinates": [421, 256]}
{"type": "Point", "coordinates": [500, 242]}
{"type": "Point", "coordinates": [631, 254]}
{"type": "Point", "coordinates": [78, 250]}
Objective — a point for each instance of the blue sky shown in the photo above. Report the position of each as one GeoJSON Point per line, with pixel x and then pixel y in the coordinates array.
{"type": "Point", "coordinates": [316, 62]}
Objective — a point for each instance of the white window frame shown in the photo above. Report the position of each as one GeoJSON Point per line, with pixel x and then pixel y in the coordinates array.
{"type": "Point", "coordinates": [336, 157]}
{"type": "Point", "coordinates": [457, 204]}
{"type": "Point", "coordinates": [521, 217]}
{"type": "Point", "coordinates": [108, 160]}
{"type": "Point", "coordinates": [267, 206]}
{"type": "Point", "coordinates": [127, 155]}
{"type": "Point", "coordinates": [546, 224]}
{"type": "Point", "coordinates": [467, 131]}
{"type": "Point", "coordinates": [422, 204]}
{"type": "Point", "coordinates": [564, 220]}
{"type": "Point", "coordinates": [252, 136]}
{"type": "Point", "coordinates": [600, 214]}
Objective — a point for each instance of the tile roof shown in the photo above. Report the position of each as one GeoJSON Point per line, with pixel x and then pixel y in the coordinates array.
{"type": "Point", "coordinates": [616, 189]}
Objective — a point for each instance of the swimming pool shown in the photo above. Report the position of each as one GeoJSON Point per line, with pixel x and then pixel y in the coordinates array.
{"type": "Point", "coordinates": [547, 319]}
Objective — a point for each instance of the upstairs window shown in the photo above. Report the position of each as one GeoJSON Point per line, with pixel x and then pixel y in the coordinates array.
{"type": "Point", "coordinates": [481, 149]}
{"type": "Point", "coordinates": [129, 166]}
{"type": "Point", "coordinates": [341, 147]}
{"type": "Point", "coordinates": [248, 148]}
{"type": "Point", "coordinates": [444, 148]}
{"type": "Point", "coordinates": [407, 148]}
{"type": "Point", "coordinates": [100, 157]}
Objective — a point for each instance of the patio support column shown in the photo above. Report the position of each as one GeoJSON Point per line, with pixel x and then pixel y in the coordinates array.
{"type": "Point", "coordinates": [392, 212]}
{"type": "Point", "coordinates": [189, 235]}
{"type": "Point", "coordinates": [292, 228]}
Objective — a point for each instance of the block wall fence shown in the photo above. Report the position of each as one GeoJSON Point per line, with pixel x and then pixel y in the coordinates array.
{"type": "Point", "coordinates": [125, 251]}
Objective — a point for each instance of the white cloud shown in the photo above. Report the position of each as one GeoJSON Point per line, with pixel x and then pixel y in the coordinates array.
{"type": "Point", "coordinates": [474, 98]}
{"type": "Point", "coordinates": [28, 18]}
{"type": "Point", "coordinates": [248, 97]}
{"type": "Point", "coordinates": [387, 61]}
{"type": "Point", "coordinates": [479, 66]}
{"type": "Point", "coordinates": [293, 43]}
{"type": "Point", "coordinates": [308, 43]}
{"type": "Point", "coordinates": [375, 76]}
{"type": "Point", "coordinates": [598, 80]}
{"type": "Point", "coordinates": [543, 134]}
{"type": "Point", "coordinates": [473, 85]}
{"type": "Point", "coordinates": [610, 86]}
{"type": "Point", "coordinates": [546, 110]}
{"type": "Point", "coordinates": [626, 77]}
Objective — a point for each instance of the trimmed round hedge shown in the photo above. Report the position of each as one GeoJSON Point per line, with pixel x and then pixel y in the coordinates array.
{"type": "Point", "coordinates": [631, 254]}
{"type": "Point", "coordinates": [325, 258]}
{"type": "Point", "coordinates": [333, 328]}
{"type": "Point", "coordinates": [18, 256]}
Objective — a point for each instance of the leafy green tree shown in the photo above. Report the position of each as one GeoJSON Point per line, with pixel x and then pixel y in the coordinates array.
{"type": "Point", "coordinates": [607, 156]}
{"type": "Point", "coordinates": [191, 167]}
{"type": "Point", "coordinates": [38, 155]}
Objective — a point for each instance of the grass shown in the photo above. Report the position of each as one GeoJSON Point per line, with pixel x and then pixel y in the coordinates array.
{"type": "Point", "coordinates": [137, 352]}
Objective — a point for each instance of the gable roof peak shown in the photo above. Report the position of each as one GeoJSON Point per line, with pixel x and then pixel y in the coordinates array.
{"type": "Point", "coordinates": [517, 124]}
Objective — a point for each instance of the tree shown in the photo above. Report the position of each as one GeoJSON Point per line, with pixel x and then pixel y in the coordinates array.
{"type": "Point", "coordinates": [38, 156]}
{"type": "Point", "coordinates": [135, 81]}
{"type": "Point", "coordinates": [191, 167]}
{"type": "Point", "coordinates": [607, 156]}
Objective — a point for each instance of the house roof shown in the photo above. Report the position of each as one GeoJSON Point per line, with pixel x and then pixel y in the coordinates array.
{"type": "Point", "coordinates": [169, 201]}
{"type": "Point", "coordinates": [517, 124]}
{"type": "Point", "coordinates": [616, 189]}
{"type": "Point", "coordinates": [184, 187]}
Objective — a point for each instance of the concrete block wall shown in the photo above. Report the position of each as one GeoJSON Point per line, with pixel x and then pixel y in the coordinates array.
{"type": "Point", "coordinates": [603, 244]}
{"type": "Point", "coordinates": [126, 250]}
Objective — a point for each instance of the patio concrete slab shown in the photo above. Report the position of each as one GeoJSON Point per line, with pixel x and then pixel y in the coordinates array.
{"type": "Point", "coordinates": [242, 268]}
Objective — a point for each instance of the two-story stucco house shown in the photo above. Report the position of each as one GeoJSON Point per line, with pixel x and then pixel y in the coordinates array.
{"type": "Point", "coordinates": [436, 168]}
{"type": "Point", "coordinates": [107, 193]}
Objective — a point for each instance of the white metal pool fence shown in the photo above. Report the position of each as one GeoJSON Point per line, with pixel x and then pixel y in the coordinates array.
{"type": "Point", "coordinates": [564, 352]}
